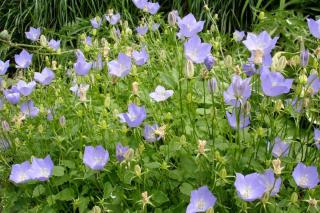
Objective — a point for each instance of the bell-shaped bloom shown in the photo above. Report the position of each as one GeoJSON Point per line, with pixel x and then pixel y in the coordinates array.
{"type": "Point", "coordinates": [45, 77]}
{"type": "Point", "coordinates": [317, 137]}
{"type": "Point", "coordinates": [120, 67]}
{"type": "Point", "coordinates": [161, 94]}
{"type": "Point", "coordinates": [95, 157]}
{"type": "Point", "coordinates": [280, 148]}
{"type": "Point", "coordinates": [12, 95]}
{"type": "Point", "coordinates": [189, 26]}
{"type": "Point", "coordinates": [196, 51]}
{"type": "Point", "coordinates": [54, 44]}
{"type": "Point", "coordinates": [29, 109]}
{"type": "Point", "coordinates": [24, 88]}
{"type": "Point", "coordinates": [209, 61]}
{"type": "Point", "coordinates": [155, 26]}
{"type": "Point", "coordinates": [152, 8]}
{"type": "Point", "coordinates": [244, 121]}
{"type": "Point", "coordinates": [113, 19]}
{"type": "Point", "coordinates": [149, 133]}
{"type": "Point", "coordinates": [212, 85]}
{"type": "Point", "coordinates": [274, 84]}
{"type": "Point", "coordinates": [314, 27]}
{"type": "Point", "coordinates": [140, 57]}
{"type": "Point", "coordinates": [238, 35]}
{"type": "Point", "coordinates": [96, 22]}
{"type": "Point", "coordinates": [249, 187]}
{"type": "Point", "coordinates": [41, 169]}
{"type": "Point", "coordinates": [23, 60]}
{"type": "Point", "coordinates": [238, 92]}
{"type": "Point", "coordinates": [4, 67]}
{"type": "Point", "coordinates": [201, 200]}
{"type": "Point", "coordinates": [88, 41]}
{"type": "Point", "coordinates": [134, 117]}
{"type": "Point", "coordinates": [81, 66]}
{"type": "Point", "coordinates": [304, 58]}
{"type": "Point", "coordinates": [141, 4]}
{"type": "Point", "coordinates": [305, 176]}
{"type": "Point", "coordinates": [314, 83]}
{"type": "Point", "coordinates": [121, 152]}
{"type": "Point", "coordinates": [142, 30]}
{"type": "Point", "coordinates": [260, 47]}
{"type": "Point", "coordinates": [271, 184]}
{"type": "Point", "coordinates": [20, 172]}
{"type": "Point", "coordinates": [33, 34]}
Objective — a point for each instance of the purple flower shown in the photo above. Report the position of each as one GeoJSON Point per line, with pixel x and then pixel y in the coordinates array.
{"type": "Point", "coordinates": [81, 66]}
{"type": "Point", "coordinates": [209, 61]}
{"type": "Point", "coordinates": [62, 120]}
{"type": "Point", "coordinates": [120, 67]}
{"type": "Point", "coordinates": [189, 26]}
{"type": "Point", "coordinates": [54, 44]}
{"type": "Point", "coordinates": [274, 84]}
{"type": "Point", "coordinates": [249, 187]}
{"type": "Point", "coordinates": [152, 8]}
{"type": "Point", "coordinates": [41, 169]}
{"type": "Point", "coordinates": [196, 51]}
{"type": "Point", "coordinates": [45, 77]}
{"type": "Point", "coordinates": [12, 95]}
{"type": "Point", "coordinates": [271, 184]}
{"type": "Point", "coordinates": [149, 133]}
{"type": "Point", "coordinates": [29, 109]}
{"type": "Point", "coordinates": [4, 67]}
{"type": "Point", "coordinates": [95, 157]}
{"type": "Point", "coordinates": [317, 137]}
{"type": "Point", "coordinates": [314, 83]}
{"type": "Point", "coordinates": [140, 57]}
{"type": "Point", "coordinates": [23, 60]}
{"type": "Point", "coordinates": [249, 69]}
{"type": "Point", "coordinates": [238, 92]}
{"type": "Point", "coordinates": [96, 22]}
{"type": "Point", "coordinates": [33, 34]}
{"type": "Point", "coordinates": [19, 172]}
{"type": "Point", "coordinates": [161, 94]}
{"type": "Point", "coordinates": [142, 30]}
{"type": "Point", "coordinates": [121, 152]}
{"type": "Point", "coordinates": [238, 35]}
{"type": "Point", "coordinates": [212, 85]}
{"type": "Point", "coordinates": [314, 27]}
{"type": "Point", "coordinates": [140, 3]}
{"type": "Point", "coordinates": [49, 115]}
{"type": "Point", "coordinates": [24, 88]}
{"type": "Point", "coordinates": [305, 176]}
{"type": "Point", "coordinates": [134, 117]}
{"type": "Point", "coordinates": [201, 200]}
{"type": "Point", "coordinates": [98, 64]}
{"type": "Point", "coordinates": [232, 120]}
{"type": "Point", "coordinates": [304, 58]}
{"type": "Point", "coordinates": [113, 19]}
{"type": "Point", "coordinates": [88, 41]}
{"type": "Point", "coordinates": [280, 149]}
{"type": "Point", "coordinates": [155, 26]}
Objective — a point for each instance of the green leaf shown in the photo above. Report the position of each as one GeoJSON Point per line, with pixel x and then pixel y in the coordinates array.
{"type": "Point", "coordinates": [153, 165]}
{"type": "Point", "coordinates": [84, 201]}
{"type": "Point", "coordinates": [66, 194]}
{"type": "Point", "coordinates": [68, 163]}
{"type": "Point", "coordinates": [58, 171]}
{"type": "Point", "coordinates": [159, 197]}
{"type": "Point", "coordinates": [186, 188]}
{"type": "Point", "coordinates": [38, 190]}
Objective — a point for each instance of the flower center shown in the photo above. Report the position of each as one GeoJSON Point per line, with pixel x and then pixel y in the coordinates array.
{"type": "Point", "coordinates": [200, 205]}
{"type": "Point", "coordinates": [303, 181]}
{"type": "Point", "coordinates": [44, 172]}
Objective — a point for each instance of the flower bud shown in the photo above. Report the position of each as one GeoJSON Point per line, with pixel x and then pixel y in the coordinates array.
{"type": "Point", "coordinates": [129, 155]}
{"type": "Point", "coordinates": [261, 16]}
{"type": "Point", "coordinates": [312, 202]}
{"type": "Point", "coordinates": [189, 70]}
{"type": "Point", "coordinates": [303, 79]}
{"type": "Point", "coordinates": [209, 62]}
{"type": "Point", "coordinates": [137, 170]}
{"type": "Point", "coordinates": [96, 209]}
{"type": "Point", "coordinates": [294, 198]}
{"type": "Point", "coordinates": [62, 121]}
{"type": "Point", "coordinates": [278, 105]}
{"type": "Point", "coordinates": [43, 41]}
{"type": "Point", "coordinates": [212, 85]}
{"type": "Point", "coordinates": [237, 70]}
{"type": "Point", "coordinates": [135, 88]}
{"type": "Point", "coordinates": [277, 169]}
{"type": "Point", "coordinates": [304, 58]}
{"type": "Point", "coordinates": [5, 35]}
{"type": "Point", "coordinates": [228, 61]}
{"type": "Point", "coordinates": [317, 52]}
{"type": "Point", "coordinates": [172, 18]}
{"type": "Point", "coordinates": [5, 126]}
{"type": "Point", "coordinates": [295, 60]}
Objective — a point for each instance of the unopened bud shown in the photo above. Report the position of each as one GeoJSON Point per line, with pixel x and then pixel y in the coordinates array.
{"type": "Point", "coordinates": [277, 169]}
{"type": "Point", "coordinates": [237, 70]}
{"type": "Point", "coordinates": [189, 70]}
{"type": "Point", "coordinates": [303, 79]}
{"type": "Point", "coordinates": [304, 58]}
{"type": "Point", "coordinates": [129, 155]}
{"type": "Point", "coordinates": [135, 88]}
{"type": "Point", "coordinates": [43, 41]}
{"type": "Point", "coordinates": [96, 209]}
{"type": "Point", "coordinates": [317, 52]}
{"type": "Point", "coordinates": [201, 146]}
{"type": "Point", "coordinates": [261, 16]}
{"type": "Point", "coordinates": [228, 61]}
{"type": "Point", "coordinates": [278, 105]}
{"type": "Point", "coordinates": [137, 170]}
{"type": "Point", "coordinates": [62, 121]}
{"type": "Point", "coordinates": [5, 126]}
{"type": "Point", "coordinates": [172, 18]}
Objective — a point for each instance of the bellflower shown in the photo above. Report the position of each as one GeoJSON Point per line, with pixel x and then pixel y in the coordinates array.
{"type": "Point", "coordinates": [314, 27]}
{"type": "Point", "coordinates": [232, 120]}
{"type": "Point", "coordinates": [54, 44]}
{"type": "Point", "coordinates": [113, 19]}
{"type": "Point", "coordinates": [120, 67]}
{"type": "Point", "coordinates": [29, 109]}
{"type": "Point", "coordinates": [24, 88]}
{"type": "Point", "coordinates": [134, 117]}
{"type": "Point", "coordinates": [142, 30]}
{"type": "Point", "coordinates": [249, 187]}
{"type": "Point", "coordinates": [23, 60]}
{"type": "Point", "coordinates": [121, 152]}
{"type": "Point", "coordinates": [96, 22]}
{"type": "Point", "coordinates": [271, 184]}
{"type": "Point", "coordinates": [19, 173]}
{"type": "Point", "coordinates": [305, 176]}
{"type": "Point", "coordinates": [41, 169]}
{"type": "Point", "coordinates": [140, 3]}
{"type": "Point", "coordinates": [45, 77]}
{"type": "Point", "coordinates": [189, 26]}
{"type": "Point", "coordinates": [152, 8]}
{"type": "Point", "coordinates": [274, 84]}
{"type": "Point", "coordinates": [88, 41]}
{"type": "Point", "coordinates": [4, 67]}
{"type": "Point", "coordinates": [280, 149]}
{"type": "Point", "coordinates": [149, 133]}
{"type": "Point", "coordinates": [209, 61]}
{"type": "Point", "coordinates": [249, 69]}
{"type": "Point", "coordinates": [49, 115]}
{"type": "Point", "coordinates": [81, 66]}
{"type": "Point", "coordinates": [140, 57]}
{"type": "Point", "coordinates": [201, 200]}
{"type": "Point", "coordinates": [238, 35]}
{"type": "Point", "coordinates": [195, 50]}
{"type": "Point", "coordinates": [238, 92]}
{"type": "Point", "coordinates": [314, 83]}
{"type": "Point", "coordinates": [33, 34]}
{"type": "Point", "coordinates": [317, 137]}
{"type": "Point", "coordinates": [161, 94]}
{"type": "Point", "coordinates": [12, 95]}
{"type": "Point", "coordinates": [304, 58]}
{"type": "Point", "coordinates": [95, 157]}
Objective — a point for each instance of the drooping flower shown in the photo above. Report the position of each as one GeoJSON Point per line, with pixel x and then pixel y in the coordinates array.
{"type": "Point", "coordinates": [212, 85]}
{"type": "Point", "coordinates": [95, 157]}
{"type": "Point", "coordinates": [54, 44]}
{"type": "Point", "coordinates": [80, 91]}
{"type": "Point", "coordinates": [134, 117]}
{"type": "Point", "coordinates": [305, 176]}
{"type": "Point", "coordinates": [195, 50]}
{"type": "Point", "coordinates": [4, 67]}
{"type": "Point", "coordinates": [120, 67]}
{"type": "Point", "coordinates": [155, 26]}
{"type": "Point", "coordinates": [24, 88]}
{"type": "Point", "coordinates": [249, 187]}
{"type": "Point", "coordinates": [317, 137]}
{"type": "Point", "coordinates": [304, 58]}
{"type": "Point", "coordinates": [33, 34]}
{"type": "Point", "coordinates": [41, 169]}
{"type": "Point", "coordinates": [280, 149]}
{"type": "Point", "coordinates": [271, 184]}
{"type": "Point", "coordinates": [161, 94]}
{"type": "Point", "coordinates": [19, 172]}
{"type": "Point", "coordinates": [45, 77]}
{"type": "Point", "coordinates": [140, 57]}
{"type": "Point", "coordinates": [81, 66]}
{"type": "Point", "coordinates": [12, 95]}
{"type": "Point", "coordinates": [152, 8]}
{"type": "Point", "coordinates": [274, 84]}
{"type": "Point", "coordinates": [209, 61]}
{"type": "Point", "coordinates": [314, 83]}
{"type": "Point", "coordinates": [149, 133]}
{"type": "Point", "coordinates": [201, 200]}
{"type": "Point", "coordinates": [314, 27]}
{"type": "Point", "coordinates": [29, 109]}
{"type": "Point", "coordinates": [142, 30]}
{"type": "Point", "coordinates": [113, 19]}
{"type": "Point", "coordinates": [140, 3]}
{"type": "Point", "coordinates": [121, 152]}
{"type": "Point", "coordinates": [238, 92]}
{"type": "Point", "coordinates": [189, 26]}
{"type": "Point", "coordinates": [96, 22]}
{"type": "Point", "coordinates": [23, 60]}
{"type": "Point", "coordinates": [244, 121]}
{"type": "Point", "coordinates": [238, 35]}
